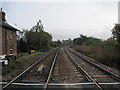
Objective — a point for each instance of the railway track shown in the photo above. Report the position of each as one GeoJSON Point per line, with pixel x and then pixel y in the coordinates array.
{"type": "Point", "coordinates": [63, 70]}
{"type": "Point", "coordinates": [29, 69]}
{"type": "Point", "coordinates": [87, 59]}
{"type": "Point", "coordinates": [50, 75]}
{"type": "Point", "coordinates": [65, 74]}
{"type": "Point", "coordinates": [83, 62]}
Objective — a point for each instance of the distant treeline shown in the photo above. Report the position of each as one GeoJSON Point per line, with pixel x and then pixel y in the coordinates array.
{"type": "Point", "coordinates": [35, 39]}
{"type": "Point", "coordinates": [104, 51]}
{"type": "Point", "coordinates": [110, 43]}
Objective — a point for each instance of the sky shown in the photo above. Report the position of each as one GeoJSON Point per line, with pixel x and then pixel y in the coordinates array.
{"type": "Point", "coordinates": [64, 20]}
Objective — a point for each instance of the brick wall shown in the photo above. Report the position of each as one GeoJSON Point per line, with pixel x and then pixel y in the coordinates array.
{"type": "Point", "coordinates": [9, 43]}
{"type": "Point", "coordinates": [3, 42]}
{"type": "Point", "coordinates": [0, 40]}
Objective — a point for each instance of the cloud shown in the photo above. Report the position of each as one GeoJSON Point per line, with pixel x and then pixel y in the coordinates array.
{"type": "Point", "coordinates": [65, 20]}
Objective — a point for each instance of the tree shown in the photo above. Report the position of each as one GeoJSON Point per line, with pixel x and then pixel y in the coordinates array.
{"type": "Point", "coordinates": [77, 41]}
{"type": "Point", "coordinates": [22, 46]}
{"type": "Point", "coordinates": [35, 38]}
{"type": "Point", "coordinates": [67, 42]}
{"type": "Point", "coordinates": [38, 28]}
{"type": "Point", "coordinates": [38, 40]}
{"type": "Point", "coordinates": [116, 34]}
{"type": "Point", "coordinates": [80, 40]}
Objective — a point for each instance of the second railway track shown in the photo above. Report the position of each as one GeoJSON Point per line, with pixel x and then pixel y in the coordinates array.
{"type": "Point", "coordinates": [96, 73]}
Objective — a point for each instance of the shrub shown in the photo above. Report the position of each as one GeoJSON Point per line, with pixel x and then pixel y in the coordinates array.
{"type": "Point", "coordinates": [102, 55]}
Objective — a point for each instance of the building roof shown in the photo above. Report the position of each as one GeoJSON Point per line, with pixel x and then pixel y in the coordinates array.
{"type": "Point", "coordinates": [6, 25]}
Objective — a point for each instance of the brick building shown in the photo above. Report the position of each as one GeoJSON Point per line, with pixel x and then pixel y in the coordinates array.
{"type": "Point", "coordinates": [8, 42]}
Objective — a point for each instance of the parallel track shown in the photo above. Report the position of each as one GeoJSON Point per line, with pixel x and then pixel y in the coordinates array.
{"type": "Point", "coordinates": [116, 77]}
{"type": "Point", "coordinates": [84, 72]}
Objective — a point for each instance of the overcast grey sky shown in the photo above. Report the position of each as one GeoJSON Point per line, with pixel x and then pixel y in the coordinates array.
{"type": "Point", "coordinates": [65, 19]}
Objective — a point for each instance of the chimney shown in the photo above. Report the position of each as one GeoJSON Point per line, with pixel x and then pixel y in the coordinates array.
{"type": "Point", "coordinates": [0, 9]}
{"type": "Point", "coordinates": [2, 15]}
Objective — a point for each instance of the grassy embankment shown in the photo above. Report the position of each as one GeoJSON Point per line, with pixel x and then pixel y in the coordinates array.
{"type": "Point", "coordinates": [21, 63]}
{"type": "Point", "coordinates": [102, 55]}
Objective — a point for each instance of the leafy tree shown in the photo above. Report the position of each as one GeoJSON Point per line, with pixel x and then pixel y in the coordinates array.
{"type": "Point", "coordinates": [77, 41]}
{"type": "Point", "coordinates": [88, 41]}
{"type": "Point", "coordinates": [38, 40]}
{"type": "Point", "coordinates": [35, 38]}
{"type": "Point", "coordinates": [59, 42]}
{"type": "Point", "coordinates": [38, 28]}
{"type": "Point", "coordinates": [22, 46]}
{"type": "Point", "coordinates": [67, 42]}
{"type": "Point", "coordinates": [116, 34]}
{"type": "Point", "coordinates": [111, 42]}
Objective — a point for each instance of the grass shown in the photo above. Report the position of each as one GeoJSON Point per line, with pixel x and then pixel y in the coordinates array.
{"type": "Point", "coordinates": [21, 63]}
{"type": "Point", "coordinates": [102, 55]}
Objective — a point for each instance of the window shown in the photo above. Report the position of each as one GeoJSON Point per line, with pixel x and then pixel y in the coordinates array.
{"type": "Point", "coordinates": [11, 49]}
{"type": "Point", "coordinates": [11, 35]}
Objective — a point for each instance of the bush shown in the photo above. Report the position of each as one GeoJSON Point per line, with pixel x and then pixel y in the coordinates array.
{"type": "Point", "coordinates": [21, 62]}
{"type": "Point", "coordinates": [102, 55]}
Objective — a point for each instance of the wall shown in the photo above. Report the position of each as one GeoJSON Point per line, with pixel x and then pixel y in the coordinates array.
{"type": "Point", "coordinates": [0, 40]}
{"type": "Point", "coordinates": [7, 42]}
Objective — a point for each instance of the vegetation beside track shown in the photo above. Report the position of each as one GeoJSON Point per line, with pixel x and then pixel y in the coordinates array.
{"type": "Point", "coordinates": [35, 39]}
{"type": "Point", "coordinates": [103, 56]}
{"type": "Point", "coordinates": [21, 63]}
{"type": "Point", "coordinates": [105, 51]}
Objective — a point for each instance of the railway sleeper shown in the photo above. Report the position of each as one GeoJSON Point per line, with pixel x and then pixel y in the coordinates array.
{"type": "Point", "coordinates": [40, 70]}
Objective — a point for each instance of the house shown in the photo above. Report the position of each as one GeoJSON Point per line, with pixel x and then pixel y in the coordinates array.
{"type": "Point", "coordinates": [8, 41]}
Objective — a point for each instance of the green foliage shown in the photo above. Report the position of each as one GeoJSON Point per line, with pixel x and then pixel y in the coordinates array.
{"type": "Point", "coordinates": [102, 55]}
{"type": "Point", "coordinates": [35, 38]}
{"type": "Point", "coordinates": [111, 44]}
{"type": "Point", "coordinates": [80, 40]}
{"type": "Point", "coordinates": [22, 46]}
{"type": "Point", "coordinates": [116, 32]}
{"type": "Point", "coordinates": [88, 41]}
{"type": "Point", "coordinates": [77, 41]}
{"type": "Point", "coordinates": [104, 51]}
{"type": "Point", "coordinates": [21, 62]}
{"type": "Point", "coordinates": [67, 42]}
{"type": "Point", "coordinates": [38, 28]}
{"type": "Point", "coordinates": [116, 35]}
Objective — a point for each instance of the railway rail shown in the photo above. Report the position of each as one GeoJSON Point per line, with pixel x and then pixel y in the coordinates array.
{"type": "Point", "coordinates": [49, 75]}
{"type": "Point", "coordinates": [88, 60]}
{"type": "Point", "coordinates": [85, 73]}
{"type": "Point", "coordinates": [27, 70]}
{"type": "Point", "coordinates": [54, 63]}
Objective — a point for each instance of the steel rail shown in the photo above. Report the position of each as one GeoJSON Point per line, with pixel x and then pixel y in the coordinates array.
{"type": "Point", "coordinates": [50, 73]}
{"type": "Point", "coordinates": [59, 84]}
{"type": "Point", "coordinates": [116, 77]}
{"type": "Point", "coordinates": [25, 71]}
{"type": "Point", "coordinates": [84, 72]}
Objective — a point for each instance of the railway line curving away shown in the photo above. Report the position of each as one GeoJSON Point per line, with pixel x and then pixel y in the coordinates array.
{"type": "Point", "coordinates": [64, 68]}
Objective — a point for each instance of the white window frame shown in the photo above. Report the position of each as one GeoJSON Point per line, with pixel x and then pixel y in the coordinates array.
{"type": "Point", "coordinates": [11, 35]}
